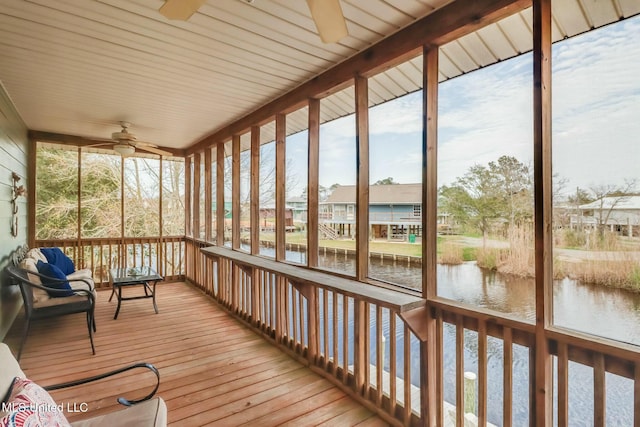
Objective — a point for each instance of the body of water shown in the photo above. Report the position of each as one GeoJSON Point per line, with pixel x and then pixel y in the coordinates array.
{"type": "Point", "coordinates": [597, 310]}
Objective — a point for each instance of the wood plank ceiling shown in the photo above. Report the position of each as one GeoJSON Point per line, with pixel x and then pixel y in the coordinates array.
{"type": "Point", "coordinates": [79, 66]}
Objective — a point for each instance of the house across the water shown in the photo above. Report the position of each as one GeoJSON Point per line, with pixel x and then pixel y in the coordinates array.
{"type": "Point", "coordinates": [395, 211]}
{"type": "Point", "coordinates": [619, 214]}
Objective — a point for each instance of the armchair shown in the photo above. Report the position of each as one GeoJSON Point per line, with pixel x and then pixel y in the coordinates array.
{"type": "Point", "coordinates": [146, 411]}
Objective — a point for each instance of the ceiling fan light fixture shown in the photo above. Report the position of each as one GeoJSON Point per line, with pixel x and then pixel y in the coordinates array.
{"type": "Point", "coordinates": [124, 149]}
{"type": "Point", "coordinates": [329, 19]}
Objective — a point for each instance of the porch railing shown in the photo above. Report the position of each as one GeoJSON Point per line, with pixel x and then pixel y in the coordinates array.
{"type": "Point", "coordinates": [163, 254]}
{"type": "Point", "coordinates": [373, 342]}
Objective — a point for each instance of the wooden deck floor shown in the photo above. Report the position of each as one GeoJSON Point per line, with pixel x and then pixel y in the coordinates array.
{"type": "Point", "coordinates": [214, 370]}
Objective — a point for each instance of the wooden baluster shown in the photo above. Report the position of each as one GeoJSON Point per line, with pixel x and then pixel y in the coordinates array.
{"type": "Point", "coordinates": [367, 353]}
{"type": "Point", "coordinates": [507, 388]}
{"type": "Point", "coordinates": [301, 320]}
{"type": "Point", "coordinates": [599, 391]}
{"type": "Point", "coordinates": [313, 325]}
{"type": "Point", "coordinates": [244, 294]}
{"type": "Point", "coordinates": [379, 356]}
{"type": "Point", "coordinates": [280, 307]}
{"type": "Point", "coordinates": [482, 372]}
{"type": "Point", "coordinates": [393, 383]}
{"type": "Point", "coordinates": [345, 338]}
{"type": "Point", "coordinates": [222, 283]}
{"type": "Point", "coordinates": [335, 333]}
{"type": "Point", "coordinates": [272, 300]}
{"type": "Point", "coordinates": [407, 375]}
{"type": "Point", "coordinates": [256, 298]}
{"type": "Point", "coordinates": [247, 294]}
{"type": "Point", "coordinates": [459, 371]}
{"type": "Point", "coordinates": [294, 320]}
{"type": "Point", "coordinates": [563, 385]}
{"type": "Point", "coordinates": [234, 277]}
{"type": "Point", "coordinates": [325, 329]}
{"type": "Point", "coordinates": [636, 395]}
{"type": "Point", "coordinates": [359, 344]}
{"type": "Point", "coordinates": [532, 385]}
{"type": "Point", "coordinates": [439, 368]}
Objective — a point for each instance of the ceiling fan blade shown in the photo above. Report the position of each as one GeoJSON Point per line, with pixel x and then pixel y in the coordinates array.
{"type": "Point", "coordinates": [180, 9]}
{"type": "Point", "coordinates": [329, 19]}
{"type": "Point", "coordinates": [145, 144]}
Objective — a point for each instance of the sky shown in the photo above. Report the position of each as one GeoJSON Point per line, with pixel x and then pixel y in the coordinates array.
{"type": "Point", "coordinates": [488, 113]}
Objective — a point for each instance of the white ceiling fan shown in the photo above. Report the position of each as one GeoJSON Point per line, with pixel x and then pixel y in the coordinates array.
{"type": "Point", "coordinates": [125, 143]}
{"type": "Point", "coordinates": [327, 15]}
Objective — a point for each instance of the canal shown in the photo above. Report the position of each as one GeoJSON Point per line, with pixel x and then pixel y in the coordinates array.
{"type": "Point", "coordinates": [597, 310]}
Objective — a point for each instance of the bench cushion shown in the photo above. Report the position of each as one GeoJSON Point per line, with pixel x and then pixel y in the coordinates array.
{"type": "Point", "coordinates": [31, 406]}
{"type": "Point", "coordinates": [150, 413]}
{"type": "Point", "coordinates": [29, 264]}
{"type": "Point", "coordinates": [9, 369]}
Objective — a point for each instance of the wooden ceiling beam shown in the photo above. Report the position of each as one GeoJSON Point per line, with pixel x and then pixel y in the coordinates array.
{"type": "Point", "coordinates": [458, 18]}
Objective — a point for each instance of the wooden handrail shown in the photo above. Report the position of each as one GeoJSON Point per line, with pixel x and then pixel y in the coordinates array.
{"type": "Point", "coordinates": [317, 316]}
{"type": "Point", "coordinates": [394, 300]}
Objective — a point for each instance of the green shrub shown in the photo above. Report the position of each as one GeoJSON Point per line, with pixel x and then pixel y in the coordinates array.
{"type": "Point", "coordinates": [487, 258]}
{"type": "Point", "coordinates": [451, 253]}
{"type": "Point", "coordinates": [469, 254]}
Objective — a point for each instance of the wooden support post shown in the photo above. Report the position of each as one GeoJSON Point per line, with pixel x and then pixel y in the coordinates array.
{"type": "Point", "coordinates": [32, 153]}
{"type": "Point", "coordinates": [123, 252]}
{"type": "Point", "coordinates": [431, 397]}
{"type": "Point", "coordinates": [207, 194]}
{"type": "Point", "coordinates": [196, 195]}
{"type": "Point", "coordinates": [362, 177]}
{"type": "Point", "coordinates": [313, 185]}
{"type": "Point", "coordinates": [31, 197]}
{"type": "Point", "coordinates": [235, 193]}
{"type": "Point", "coordinates": [281, 160]}
{"type": "Point", "coordinates": [543, 397]}
{"type": "Point", "coordinates": [161, 249]}
{"type": "Point", "coordinates": [219, 194]}
{"type": "Point", "coordinates": [188, 167]}
{"type": "Point", "coordinates": [255, 190]}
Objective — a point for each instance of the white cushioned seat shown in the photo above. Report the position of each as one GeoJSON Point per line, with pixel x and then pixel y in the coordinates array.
{"type": "Point", "coordinates": [152, 412]}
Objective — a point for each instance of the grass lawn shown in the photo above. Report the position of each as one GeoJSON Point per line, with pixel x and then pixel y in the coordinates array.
{"type": "Point", "coordinates": [398, 248]}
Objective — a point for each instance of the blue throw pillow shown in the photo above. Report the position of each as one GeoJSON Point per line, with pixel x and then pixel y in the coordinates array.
{"type": "Point", "coordinates": [58, 258]}
{"type": "Point", "coordinates": [54, 272]}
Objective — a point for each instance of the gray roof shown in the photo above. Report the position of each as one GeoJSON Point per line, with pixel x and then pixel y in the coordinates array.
{"type": "Point", "coordinates": [615, 203]}
{"type": "Point", "coordinates": [380, 194]}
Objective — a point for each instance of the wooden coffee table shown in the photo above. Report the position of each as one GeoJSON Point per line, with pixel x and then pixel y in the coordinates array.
{"type": "Point", "coordinates": [139, 276]}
